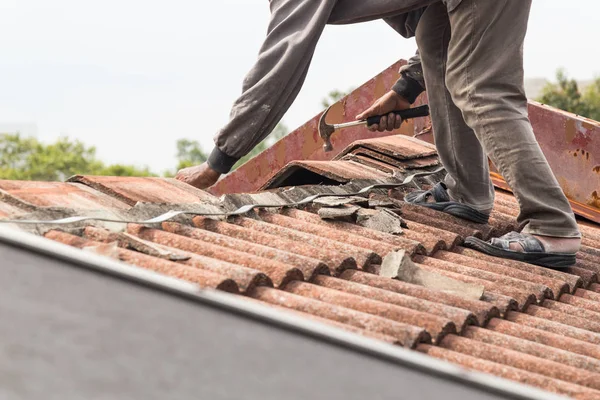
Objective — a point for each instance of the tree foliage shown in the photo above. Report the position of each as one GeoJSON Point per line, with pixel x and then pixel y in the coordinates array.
{"type": "Point", "coordinates": [189, 153]}
{"type": "Point", "coordinates": [24, 158]}
{"type": "Point", "coordinates": [566, 95]}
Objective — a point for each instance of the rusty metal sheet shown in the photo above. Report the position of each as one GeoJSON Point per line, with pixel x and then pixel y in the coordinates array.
{"type": "Point", "coordinates": [305, 143]}
{"type": "Point", "coordinates": [131, 190]}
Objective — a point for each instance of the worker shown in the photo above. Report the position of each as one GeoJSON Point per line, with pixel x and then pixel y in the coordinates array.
{"type": "Point", "coordinates": [471, 58]}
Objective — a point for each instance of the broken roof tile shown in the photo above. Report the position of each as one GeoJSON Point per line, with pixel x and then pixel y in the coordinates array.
{"type": "Point", "coordinates": [58, 194]}
{"type": "Point", "coordinates": [131, 190]}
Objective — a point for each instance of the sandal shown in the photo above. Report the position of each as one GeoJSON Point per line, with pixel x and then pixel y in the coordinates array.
{"type": "Point", "coordinates": [439, 193]}
{"type": "Point", "coordinates": [533, 250]}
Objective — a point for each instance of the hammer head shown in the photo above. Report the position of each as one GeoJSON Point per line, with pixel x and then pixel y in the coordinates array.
{"type": "Point", "coordinates": [325, 131]}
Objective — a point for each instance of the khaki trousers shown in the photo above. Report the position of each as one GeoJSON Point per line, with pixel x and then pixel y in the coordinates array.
{"type": "Point", "coordinates": [473, 66]}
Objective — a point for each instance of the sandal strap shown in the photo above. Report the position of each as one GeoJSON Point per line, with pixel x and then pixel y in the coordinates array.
{"type": "Point", "coordinates": [439, 193]}
{"type": "Point", "coordinates": [529, 243]}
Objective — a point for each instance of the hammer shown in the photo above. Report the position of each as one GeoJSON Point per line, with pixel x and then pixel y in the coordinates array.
{"type": "Point", "coordinates": [326, 130]}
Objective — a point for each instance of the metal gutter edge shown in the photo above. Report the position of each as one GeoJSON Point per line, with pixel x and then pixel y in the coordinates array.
{"type": "Point", "coordinates": [236, 305]}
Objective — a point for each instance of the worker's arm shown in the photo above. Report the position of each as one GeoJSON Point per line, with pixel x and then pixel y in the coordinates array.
{"type": "Point", "coordinates": [404, 92]}
{"type": "Point", "coordinates": [411, 83]}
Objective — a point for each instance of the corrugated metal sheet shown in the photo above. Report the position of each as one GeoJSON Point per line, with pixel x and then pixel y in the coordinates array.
{"type": "Point", "coordinates": [533, 325]}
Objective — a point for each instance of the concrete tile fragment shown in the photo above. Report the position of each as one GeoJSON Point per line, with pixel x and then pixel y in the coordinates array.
{"type": "Point", "coordinates": [343, 213]}
{"type": "Point", "coordinates": [382, 220]}
{"type": "Point", "coordinates": [398, 265]}
{"type": "Point", "coordinates": [338, 201]}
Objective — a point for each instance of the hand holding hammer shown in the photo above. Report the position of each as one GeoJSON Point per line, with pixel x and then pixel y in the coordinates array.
{"type": "Point", "coordinates": [395, 118]}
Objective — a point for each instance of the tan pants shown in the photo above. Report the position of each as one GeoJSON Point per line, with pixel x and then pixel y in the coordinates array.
{"type": "Point", "coordinates": [473, 65]}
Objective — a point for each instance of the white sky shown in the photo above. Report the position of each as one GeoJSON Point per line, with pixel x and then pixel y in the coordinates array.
{"type": "Point", "coordinates": [133, 76]}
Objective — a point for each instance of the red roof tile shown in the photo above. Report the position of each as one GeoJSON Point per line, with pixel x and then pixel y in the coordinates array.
{"type": "Point", "coordinates": [533, 325]}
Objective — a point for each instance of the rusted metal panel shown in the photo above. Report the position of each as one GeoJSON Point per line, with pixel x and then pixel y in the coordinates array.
{"type": "Point", "coordinates": [305, 143]}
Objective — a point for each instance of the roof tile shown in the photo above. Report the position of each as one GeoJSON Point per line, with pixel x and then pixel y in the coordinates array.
{"type": "Point", "coordinates": [204, 279]}
{"type": "Point", "coordinates": [532, 325]}
{"type": "Point", "coordinates": [280, 273]}
{"type": "Point", "coordinates": [131, 190]}
{"type": "Point", "coordinates": [406, 334]}
{"type": "Point", "coordinates": [512, 373]}
{"type": "Point", "coordinates": [337, 261]}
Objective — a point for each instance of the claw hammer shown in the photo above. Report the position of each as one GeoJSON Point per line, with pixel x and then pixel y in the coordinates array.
{"type": "Point", "coordinates": [326, 130]}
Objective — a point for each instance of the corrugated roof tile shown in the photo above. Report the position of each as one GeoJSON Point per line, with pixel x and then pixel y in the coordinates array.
{"type": "Point", "coordinates": [363, 257]}
{"type": "Point", "coordinates": [59, 194]}
{"type": "Point", "coordinates": [535, 325]}
{"type": "Point", "coordinates": [309, 266]}
{"type": "Point", "coordinates": [131, 190]}
{"type": "Point", "coordinates": [460, 317]}
{"type": "Point", "coordinates": [406, 334]}
{"type": "Point", "coordinates": [280, 273]}
{"type": "Point", "coordinates": [512, 373]}
{"type": "Point", "coordinates": [522, 361]}
{"type": "Point", "coordinates": [436, 326]}
{"type": "Point", "coordinates": [204, 279]}
{"type": "Point", "coordinates": [246, 278]}
{"type": "Point", "coordinates": [336, 260]}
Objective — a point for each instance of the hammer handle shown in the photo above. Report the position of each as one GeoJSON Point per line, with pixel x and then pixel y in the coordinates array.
{"type": "Point", "coordinates": [409, 113]}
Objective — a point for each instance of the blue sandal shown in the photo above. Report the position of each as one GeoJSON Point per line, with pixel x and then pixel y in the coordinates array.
{"type": "Point", "coordinates": [439, 193]}
{"type": "Point", "coordinates": [533, 250]}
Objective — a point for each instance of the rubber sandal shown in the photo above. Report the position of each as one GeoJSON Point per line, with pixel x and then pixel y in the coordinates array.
{"type": "Point", "coordinates": [439, 193]}
{"type": "Point", "coordinates": [534, 252]}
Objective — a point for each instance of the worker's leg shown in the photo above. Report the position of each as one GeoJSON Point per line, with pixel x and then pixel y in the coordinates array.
{"type": "Point", "coordinates": [468, 178]}
{"type": "Point", "coordinates": [276, 78]}
{"type": "Point", "coordinates": [484, 74]}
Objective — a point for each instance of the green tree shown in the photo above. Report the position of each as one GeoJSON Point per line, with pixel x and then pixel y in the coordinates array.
{"type": "Point", "coordinates": [28, 159]}
{"type": "Point", "coordinates": [566, 95]}
{"type": "Point", "coordinates": [189, 153]}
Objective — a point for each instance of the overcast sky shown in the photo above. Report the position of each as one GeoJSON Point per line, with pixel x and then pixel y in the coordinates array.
{"type": "Point", "coordinates": [133, 76]}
